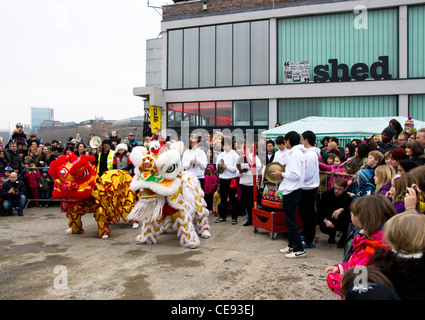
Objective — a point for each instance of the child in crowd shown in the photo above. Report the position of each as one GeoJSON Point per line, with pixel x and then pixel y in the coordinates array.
{"type": "Point", "coordinates": [336, 167]}
{"type": "Point", "coordinates": [122, 159]}
{"type": "Point", "coordinates": [368, 215]}
{"type": "Point", "coordinates": [383, 177]}
{"type": "Point", "coordinates": [7, 172]}
{"type": "Point", "coordinates": [31, 176]}
{"type": "Point", "coordinates": [210, 186]}
{"type": "Point", "coordinates": [374, 159]}
{"type": "Point", "coordinates": [216, 200]}
{"type": "Point", "coordinates": [45, 183]}
{"type": "Point", "coordinates": [404, 262]}
{"type": "Point", "coordinates": [399, 184]}
{"type": "Point", "coordinates": [367, 283]}
{"type": "Point", "coordinates": [419, 175]}
{"type": "Point", "coordinates": [363, 184]}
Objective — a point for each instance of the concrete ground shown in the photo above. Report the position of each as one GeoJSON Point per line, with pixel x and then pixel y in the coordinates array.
{"type": "Point", "coordinates": [38, 260]}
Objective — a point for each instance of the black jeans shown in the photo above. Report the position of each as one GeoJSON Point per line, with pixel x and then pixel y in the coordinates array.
{"type": "Point", "coordinates": [226, 191]}
{"type": "Point", "coordinates": [308, 214]}
{"type": "Point", "coordinates": [289, 204]}
{"type": "Point", "coordinates": [247, 200]}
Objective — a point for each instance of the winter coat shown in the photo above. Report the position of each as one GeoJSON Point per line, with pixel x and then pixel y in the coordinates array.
{"type": "Point", "coordinates": [32, 178]}
{"type": "Point", "coordinates": [406, 273]}
{"type": "Point", "coordinates": [333, 169]}
{"type": "Point", "coordinates": [363, 249]}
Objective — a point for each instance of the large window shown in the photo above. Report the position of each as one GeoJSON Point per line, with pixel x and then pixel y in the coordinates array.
{"type": "Point", "coordinates": [247, 113]}
{"type": "Point", "coordinates": [233, 54]}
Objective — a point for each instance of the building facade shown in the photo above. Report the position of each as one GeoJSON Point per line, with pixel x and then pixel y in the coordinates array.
{"type": "Point", "coordinates": [252, 64]}
{"type": "Point", "coordinates": [38, 115]}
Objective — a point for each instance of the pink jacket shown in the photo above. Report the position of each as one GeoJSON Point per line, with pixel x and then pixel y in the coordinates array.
{"type": "Point", "coordinates": [363, 248]}
{"type": "Point", "coordinates": [332, 169]}
{"type": "Point", "coordinates": [210, 183]}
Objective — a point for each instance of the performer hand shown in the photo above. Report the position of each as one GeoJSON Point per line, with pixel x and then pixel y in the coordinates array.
{"type": "Point", "coordinates": [277, 173]}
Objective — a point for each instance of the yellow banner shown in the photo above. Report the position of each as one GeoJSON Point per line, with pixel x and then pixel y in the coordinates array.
{"type": "Point", "coordinates": [155, 116]}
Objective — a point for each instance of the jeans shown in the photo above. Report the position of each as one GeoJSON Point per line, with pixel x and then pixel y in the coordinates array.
{"type": "Point", "coordinates": [289, 203]}
{"type": "Point", "coordinates": [19, 203]}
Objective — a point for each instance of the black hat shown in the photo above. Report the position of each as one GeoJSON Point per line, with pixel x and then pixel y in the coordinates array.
{"type": "Point", "coordinates": [371, 291]}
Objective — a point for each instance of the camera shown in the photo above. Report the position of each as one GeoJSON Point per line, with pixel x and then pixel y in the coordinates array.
{"type": "Point", "coordinates": [367, 139]}
{"type": "Point", "coordinates": [407, 191]}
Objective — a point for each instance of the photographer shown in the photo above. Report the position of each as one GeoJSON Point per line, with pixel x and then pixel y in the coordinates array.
{"type": "Point", "coordinates": [13, 193]}
{"type": "Point", "coordinates": [386, 144]}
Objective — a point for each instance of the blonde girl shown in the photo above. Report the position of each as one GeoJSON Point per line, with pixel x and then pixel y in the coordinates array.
{"type": "Point", "coordinates": [403, 260]}
{"type": "Point", "coordinates": [383, 176]}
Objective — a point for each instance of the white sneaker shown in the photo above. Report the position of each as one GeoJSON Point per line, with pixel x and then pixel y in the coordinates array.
{"type": "Point", "coordinates": [286, 250]}
{"type": "Point", "coordinates": [296, 254]}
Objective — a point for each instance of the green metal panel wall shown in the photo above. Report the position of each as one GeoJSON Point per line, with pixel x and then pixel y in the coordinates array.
{"type": "Point", "coordinates": [417, 106]}
{"type": "Point", "coordinates": [334, 36]}
{"type": "Point", "coordinates": [290, 110]}
{"type": "Point", "coordinates": [417, 41]}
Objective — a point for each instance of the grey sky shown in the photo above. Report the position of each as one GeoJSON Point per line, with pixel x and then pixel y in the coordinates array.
{"type": "Point", "coordinates": [81, 58]}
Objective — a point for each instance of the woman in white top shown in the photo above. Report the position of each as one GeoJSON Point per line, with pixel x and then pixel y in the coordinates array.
{"type": "Point", "coordinates": [195, 161]}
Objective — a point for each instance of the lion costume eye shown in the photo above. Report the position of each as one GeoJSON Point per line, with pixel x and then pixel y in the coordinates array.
{"type": "Point", "coordinates": [171, 168]}
{"type": "Point", "coordinates": [63, 173]}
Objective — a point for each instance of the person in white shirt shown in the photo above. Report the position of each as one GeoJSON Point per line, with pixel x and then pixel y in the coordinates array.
{"type": "Point", "coordinates": [309, 189]}
{"type": "Point", "coordinates": [227, 189]}
{"type": "Point", "coordinates": [293, 180]}
{"type": "Point", "coordinates": [246, 182]}
{"type": "Point", "coordinates": [281, 155]}
{"type": "Point", "coordinates": [194, 160]}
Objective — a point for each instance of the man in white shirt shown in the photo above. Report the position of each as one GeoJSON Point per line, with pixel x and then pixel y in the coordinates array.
{"type": "Point", "coordinates": [195, 161]}
{"type": "Point", "coordinates": [293, 180]}
{"type": "Point", "coordinates": [282, 153]}
{"type": "Point", "coordinates": [227, 190]}
{"type": "Point", "coordinates": [246, 182]}
{"type": "Point", "coordinates": [309, 189]}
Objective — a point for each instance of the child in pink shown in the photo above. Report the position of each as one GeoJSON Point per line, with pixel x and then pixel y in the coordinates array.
{"type": "Point", "coordinates": [336, 167]}
{"type": "Point", "coordinates": [368, 215]}
{"type": "Point", "coordinates": [210, 186]}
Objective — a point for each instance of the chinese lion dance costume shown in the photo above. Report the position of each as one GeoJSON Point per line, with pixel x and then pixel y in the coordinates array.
{"type": "Point", "coordinates": [168, 196]}
{"type": "Point", "coordinates": [81, 190]}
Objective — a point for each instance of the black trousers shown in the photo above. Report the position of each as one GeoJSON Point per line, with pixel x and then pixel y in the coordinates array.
{"type": "Point", "coordinates": [307, 214]}
{"type": "Point", "coordinates": [226, 191]}
{"type": "Point", "coordinates": [247, 200]}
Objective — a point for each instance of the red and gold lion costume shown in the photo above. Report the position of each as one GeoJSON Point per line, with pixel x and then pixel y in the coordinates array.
{"type": "Point", "coordinates": [81, 190]}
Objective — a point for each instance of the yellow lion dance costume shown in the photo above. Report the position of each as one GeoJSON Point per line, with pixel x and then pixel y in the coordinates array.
{"type": "Point", "coordinates": [81, 190]}
{"type": "Point", "coordinates": [168, 196]}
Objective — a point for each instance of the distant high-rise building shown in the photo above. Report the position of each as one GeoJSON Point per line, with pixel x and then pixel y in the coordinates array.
{"type": "Point", "coordinates": [38, 115]}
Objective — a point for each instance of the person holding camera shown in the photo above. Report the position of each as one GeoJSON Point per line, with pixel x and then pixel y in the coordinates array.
{"type": "Point", "coordinates": [13, 193]}
{"type": "Point", "coordinates": [387, 144]}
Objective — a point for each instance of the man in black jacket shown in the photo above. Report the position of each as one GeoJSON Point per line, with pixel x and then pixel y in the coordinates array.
{"type": "Point", "coordinates": [333, 212]}
{"type": "Point", "coordinates": [13, 193]}
{"type": "Point", "coordinates": [13, 157]}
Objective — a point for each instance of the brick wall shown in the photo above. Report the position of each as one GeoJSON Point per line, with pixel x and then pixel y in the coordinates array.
{"type": "Point", "coordinates": [191, 9]}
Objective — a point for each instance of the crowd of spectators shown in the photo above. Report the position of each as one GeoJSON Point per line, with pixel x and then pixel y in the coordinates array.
{"type": "Point", "coordinates": [351, 192]}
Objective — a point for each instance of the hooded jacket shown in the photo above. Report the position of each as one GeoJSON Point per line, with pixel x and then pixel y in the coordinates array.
{"type": "Point", "coordinates": [293, 177]}
{"type": "Point", "coordinates": [210, 182]}
{"type": "Point", "coordinates": [312, 176]}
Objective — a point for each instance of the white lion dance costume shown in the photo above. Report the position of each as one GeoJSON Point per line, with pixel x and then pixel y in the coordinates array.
{"type": "Point", "coordinates": [168, 196]}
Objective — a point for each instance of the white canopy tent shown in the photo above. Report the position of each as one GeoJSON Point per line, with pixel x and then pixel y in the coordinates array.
{"type": "Point", "coordinates": [345, 129]}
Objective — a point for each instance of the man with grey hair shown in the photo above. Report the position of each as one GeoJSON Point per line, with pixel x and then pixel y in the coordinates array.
{"type": "Point", "coordinates": [13, 193]}
{"type": "Point", "coordinates": [420, 136]}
